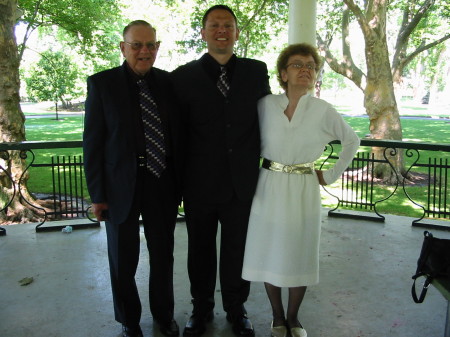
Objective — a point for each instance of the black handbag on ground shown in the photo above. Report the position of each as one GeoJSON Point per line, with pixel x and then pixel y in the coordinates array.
{"type": "Point", "coordinates": [434, 262]}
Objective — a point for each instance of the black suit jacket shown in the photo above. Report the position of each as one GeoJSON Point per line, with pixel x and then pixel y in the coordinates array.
{"type": "Point", "coordinates": [222, 144]}
{"type": "Point", "coordinates": [110, 144]}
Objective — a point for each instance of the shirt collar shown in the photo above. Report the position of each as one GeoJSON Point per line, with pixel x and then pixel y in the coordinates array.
{"type": "Point", "coordinates": [135, 77]}
{"type": "Point", "coordinates": [210, 63]}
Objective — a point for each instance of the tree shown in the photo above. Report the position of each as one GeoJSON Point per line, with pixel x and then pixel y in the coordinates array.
{"type": "Point", "coordinates": [424, 25]}
{"type": "Point", "coordinates": [13, 130]}
{"type": "Point", "coordinates": [377, 80]}
{"type": "Point", "coordinates": [90, 25]}
{"type": "Point", "coordinates": [54, 78]}
{"type": "Point", "coordinates": [84, 21]}
{"type": "Point", "coordinates": [259, 22]}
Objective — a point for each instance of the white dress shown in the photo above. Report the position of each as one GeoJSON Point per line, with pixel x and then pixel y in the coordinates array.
{"type": "Point", "coordinates": [284, 228]}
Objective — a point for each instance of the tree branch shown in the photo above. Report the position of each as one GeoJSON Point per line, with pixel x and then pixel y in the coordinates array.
{"type": "Point", "coordinates": [32, 25]}
{"type": "Point", "coordinates": [408, 27]}
{"type": "Point", "coordinates": [352, 72]}
{"type": "Point", "coordinates": [346, 51]}
{"type": "Point", "coordinates": [255, 14]}
{"type": "Point", "coordinates": [421, 49]}
{"type": "Point", "coordinates": [358, 14]}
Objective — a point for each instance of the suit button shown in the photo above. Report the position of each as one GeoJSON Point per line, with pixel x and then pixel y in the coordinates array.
{"type": "Point", "coordinates": [228, 125]}
{"type": "Point", "coordinates": [230, 151]}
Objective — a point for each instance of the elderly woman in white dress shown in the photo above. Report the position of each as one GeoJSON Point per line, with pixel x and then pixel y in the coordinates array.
{"type": "Point", "coordinates": [282, 248]}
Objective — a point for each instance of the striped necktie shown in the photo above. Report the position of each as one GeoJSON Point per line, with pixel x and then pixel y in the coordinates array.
{"type": "Point", "coordinates": [153, 131]}
{"type": "Point", "coordinates": [222, 83]}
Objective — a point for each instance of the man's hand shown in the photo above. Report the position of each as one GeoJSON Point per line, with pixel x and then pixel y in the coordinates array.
{"type": "Point", "coordinates": [100, 211]}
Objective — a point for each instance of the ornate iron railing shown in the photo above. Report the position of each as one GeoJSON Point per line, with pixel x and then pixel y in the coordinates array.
{"type": "Point", "coordinates": [358, 188]}
{"type": "Point", "coordinates": [358, 184]}
{"type": "Point", "coordinates": [68, 200]}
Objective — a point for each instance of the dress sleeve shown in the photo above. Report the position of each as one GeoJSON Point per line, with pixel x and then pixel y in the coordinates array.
{"type": "Point", "coordinates": [338, 129]}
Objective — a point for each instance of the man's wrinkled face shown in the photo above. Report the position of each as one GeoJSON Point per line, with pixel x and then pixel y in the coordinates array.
{"type": "Point", "coordinates": [140, 48]}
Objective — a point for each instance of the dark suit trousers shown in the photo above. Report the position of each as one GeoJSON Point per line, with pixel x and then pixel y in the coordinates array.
{"type": "Point", "coordinates": [156, 200]}
{"type": "Point", "coordinates": [202, 220]}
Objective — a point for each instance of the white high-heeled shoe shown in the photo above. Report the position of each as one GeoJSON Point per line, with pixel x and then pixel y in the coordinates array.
{"type": "Point", "coordinates": [298, 332]}
{"type": "Point", "coordinates": [278, 331]}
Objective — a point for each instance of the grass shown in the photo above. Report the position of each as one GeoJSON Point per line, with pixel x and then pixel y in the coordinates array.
{"type": "Point", "coordinates": [415, 130]}
{"type": "Point", "coordinates": [428, 130]}
{"type": "Point", "coordinates": [49, 129]}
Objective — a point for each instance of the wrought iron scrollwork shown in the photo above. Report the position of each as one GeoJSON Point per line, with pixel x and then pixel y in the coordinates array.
{"type": "Point", "coordinates": [393, 152]}
{"type": "Point", "coordinates": [410, 153]}
{"type": "Point", "coordinates": [359, 180]}
{"type": "Point", "coordinates": [4, 155]}
{"type": "Point", "coordinates": [23, 155]}
{"type": "Point", "coordinates": [330, 150]}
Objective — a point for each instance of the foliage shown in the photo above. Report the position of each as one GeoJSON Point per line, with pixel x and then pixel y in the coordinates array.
{"type": "Point", "coordinates": [416, 27]}
{"type": "Point", "coordinates": [54, 78]}
{"type": "Point", "coordinates": [83, 24]}
{"type": "Point", "coordinates": [332, 80]}
{"type": "Point", "coordinates": [259, 22]}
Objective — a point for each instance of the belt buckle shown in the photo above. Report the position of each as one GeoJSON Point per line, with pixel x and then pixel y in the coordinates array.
{"type": "Point", "coordinates": [141, 161]}
{"type": "Point", "coordinates": [287, 169]}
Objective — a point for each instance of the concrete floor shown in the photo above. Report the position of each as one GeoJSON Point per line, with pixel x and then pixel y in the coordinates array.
{"type": "Point", "coordinates": [364, 290]}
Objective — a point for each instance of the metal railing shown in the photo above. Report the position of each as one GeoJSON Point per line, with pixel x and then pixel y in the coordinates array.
{"type": "Point", "coordinates": [68, 199]}
{"type": "Point", "coordinates": [358, 188]}
{"type": "Point", "coordinates": [358, 185]}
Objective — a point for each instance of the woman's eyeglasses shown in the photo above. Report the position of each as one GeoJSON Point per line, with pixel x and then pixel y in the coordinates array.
{"type": "Point", "coordinates": [299, 65]}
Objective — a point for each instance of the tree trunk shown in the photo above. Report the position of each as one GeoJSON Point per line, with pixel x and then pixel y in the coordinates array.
{"type": "Point", "coordinates": [12, 123]}
{"type": "Point", "coordinates": [379, 100]}
{"type": "Point", "coordinates": [56, 111]}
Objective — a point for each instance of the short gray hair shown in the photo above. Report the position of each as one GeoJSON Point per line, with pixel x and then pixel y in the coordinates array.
{"type": "Point", "coordinates": [137, 23]}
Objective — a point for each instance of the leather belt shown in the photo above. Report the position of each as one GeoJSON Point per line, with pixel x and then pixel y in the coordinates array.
{"type": "Point", "coordinates": [306, 168]}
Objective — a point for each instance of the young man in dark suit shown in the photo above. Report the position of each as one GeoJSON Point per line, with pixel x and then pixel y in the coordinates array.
{"type": "Point", "coordinates": [218, 97]}
{"type": "Point", "coordinates": [128, 177]}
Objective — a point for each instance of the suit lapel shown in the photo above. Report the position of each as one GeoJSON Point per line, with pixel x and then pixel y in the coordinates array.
{"type": "Point", "coordinates": [126, 107]}
{"type": "Point", "coordinates": [239, 77]}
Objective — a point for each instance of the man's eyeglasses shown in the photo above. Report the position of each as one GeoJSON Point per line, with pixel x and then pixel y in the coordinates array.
{"type": "Point", "coordinates": [299, 65]}
{"type": "Point", "coordinates": [152, 46]}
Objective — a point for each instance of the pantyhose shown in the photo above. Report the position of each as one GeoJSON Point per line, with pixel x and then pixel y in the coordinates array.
{"type": "Point", "coordinates": [296, 295]}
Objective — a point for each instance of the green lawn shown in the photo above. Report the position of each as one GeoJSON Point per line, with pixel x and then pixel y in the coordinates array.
{"type": "Point", "coordinates": [416, 130]}
{"type": "Point", "coordinates": [49, 129]}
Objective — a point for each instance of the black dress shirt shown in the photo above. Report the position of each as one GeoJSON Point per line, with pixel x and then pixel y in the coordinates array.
{"type": "Point", "coordinates": [212, 67]}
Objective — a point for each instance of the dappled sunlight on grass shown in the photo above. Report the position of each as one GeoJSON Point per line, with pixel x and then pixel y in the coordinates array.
{"type": "Point", "coordinates": [46, 129]}
{"type": "Point", "coordinates": [388, 199]}
{"type": "Point", "coordinates": [412, 140]}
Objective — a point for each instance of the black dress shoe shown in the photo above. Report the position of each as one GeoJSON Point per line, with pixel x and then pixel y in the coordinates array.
{"type": "Point", "coordinates": [128, 331]}
{"type": "Point", "coordinates": [170, 328]}
{"type": "Point", "coordinates": [196, 326]}
{"type": "Point", "coordinates": [241, 325]}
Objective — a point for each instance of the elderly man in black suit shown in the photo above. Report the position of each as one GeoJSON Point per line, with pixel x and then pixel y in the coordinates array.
{"type": "Point", "coordinates": [130, 156]}
{"type": "Point", "coordinates": [218, 96]}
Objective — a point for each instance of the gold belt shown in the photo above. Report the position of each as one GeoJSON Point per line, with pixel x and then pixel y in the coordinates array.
{"type": "Point", "coordinates": [306, 168]}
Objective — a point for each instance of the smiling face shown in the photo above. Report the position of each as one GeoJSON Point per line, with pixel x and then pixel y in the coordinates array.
{"type": "Point", "coordinates": [220, 32]}
{"type": "Point", "coordinates": [141, 60]}
{"type": "Point", "coordinates": [297, 73]}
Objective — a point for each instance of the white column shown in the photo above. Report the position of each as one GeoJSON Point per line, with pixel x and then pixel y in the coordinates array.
{"type": "Point", "coordinates": [302, 21]}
